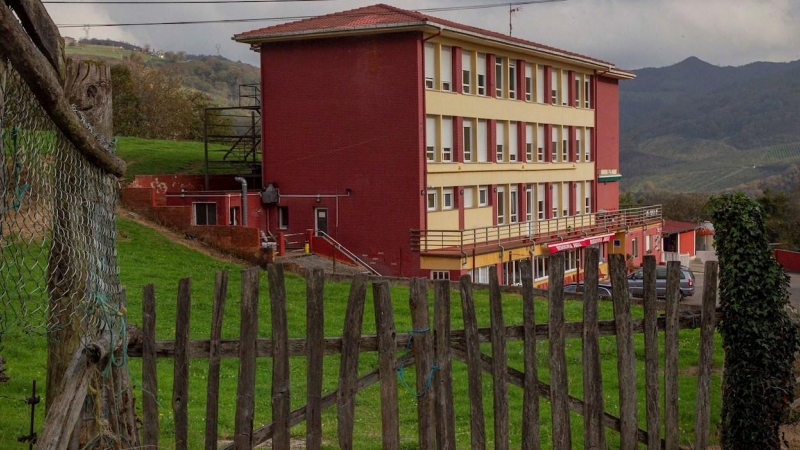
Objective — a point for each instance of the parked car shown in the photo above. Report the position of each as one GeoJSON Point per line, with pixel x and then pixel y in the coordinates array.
{"type": "Point", "coordinates": [636, 282]}
{"type": "Point", "coordinates": [603, 289]}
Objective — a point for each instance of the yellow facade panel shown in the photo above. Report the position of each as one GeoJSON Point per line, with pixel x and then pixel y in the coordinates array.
{"type": "Point", "coordinates": [478, 217]}
{"type": "Point", "coordinates": [474, 174]}
{"type": "Point", "coordinates": [473, 106]}
{"type": "Point", "coordinates": [443, 220]}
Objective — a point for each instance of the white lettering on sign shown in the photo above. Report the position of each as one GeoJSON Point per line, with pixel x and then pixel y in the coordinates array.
{"type": "Point", "coordinates": [578, 243]}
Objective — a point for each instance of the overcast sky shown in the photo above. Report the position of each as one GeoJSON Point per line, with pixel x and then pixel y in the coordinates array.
{"type": "Point", "coordinates": [630, 33]}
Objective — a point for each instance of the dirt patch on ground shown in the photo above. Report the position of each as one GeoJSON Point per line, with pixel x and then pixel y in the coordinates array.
{"type": "Point", "coordinates": [694, 370]}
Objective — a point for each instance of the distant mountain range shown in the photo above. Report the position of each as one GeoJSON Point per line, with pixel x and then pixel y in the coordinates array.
{"type": "Point", "coordinates": [694, 126]}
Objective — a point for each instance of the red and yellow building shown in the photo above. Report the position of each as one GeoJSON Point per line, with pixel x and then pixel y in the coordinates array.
{"type": "Point", "coordinates": [428, 147]}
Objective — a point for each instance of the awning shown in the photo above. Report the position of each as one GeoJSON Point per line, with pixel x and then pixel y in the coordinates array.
{"type": "Point", "coordinates": [578, 243]}
{"type": "Point", "coordinates": [609, 178]}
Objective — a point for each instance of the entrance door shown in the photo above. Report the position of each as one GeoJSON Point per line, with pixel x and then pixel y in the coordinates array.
{"type": "Point", "coordinates": [321, 222]}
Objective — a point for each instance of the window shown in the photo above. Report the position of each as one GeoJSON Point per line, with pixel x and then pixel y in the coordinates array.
{"type": "Point", "coordinates": [571, 260]}
{"type": "Point", "coordinates": [528, 203]}
{"type": "Point", "coordinates": [430, 138]}
{"type": "Point", "coordinates": [635, 247]}
{"type": "Point", "coordinates": [234, 213]}
{"type": "Point", "coordinates": [447, 68]}
{"type": "Point", "coordinates": [483, 195]}
{"type": "Point", "coordinates": [440, 274]}
{"type": "Point", "coordinates": [565, 199]}
{"type": "Point", "coordinates": [554, 86]}
{"type": "Point", "coordinates": [498, 77]}
{"type": "Point", "coordinates": [578, 83]}
{"type": "Point", "coordinates": [468, 140]}
{"type": "Point", "coordinates": [540, 143]}
{"type": "Point", "coordinates": [430, 65]}
{"type": "Point", "coordinates": [586, 92]}
{"type": "Point", "coordinates": [565, 145]}
{"type": "Point", "coordinates": [501, 205]}
{"type": "Point", "coordinates": [528, 82]}
{"type": "Point", "coordinates": [480, 70]}
{"type": "Point", "coordinates": [480, 275]}
{"type": "Point", "coordinates": [447, 139]}
{"type": "Point", "coordinates": [540, 201]}
{"type": "Point", "coordinates": [511, 273]}
{"type": "Point", "coordinates": [540, 268]}
{"type": "Point", "coordinates": [469, 197]}
{"type": "Point", "coordinates": [647, 247]}
{"type": "Point", "coordinates": [539, 84]}
{"type": "Point", "coordinates": [283, 217]}
{"type": "Point", "coordinates": [513, 200]}
{"type": "Point", "coordinates": [500, 128]}
{"type": "Point", "coordinates": [483, 145]}
{"type": "Point", "coordinates": [529, 142]}
{"type": "Point", "coordinates": [578, 198]}
{"type": "Point", "coordinates": [447, 198]}
{"type": "Point", "coordinates": [587, 153]}
{"type": "Point", "coordinates": [587, 192]}
{"type": "Point", "coordinates": [564, 88]}
{"type": "Point", "coordinates": [554, 150]}
{"type": "Point", "coordinates": [513, 141]}
{"type": "Point", "coordinates": [205, 213]}
{"type": "Point", "coordinates": [432, 194]}
{"type": "Point", "coordinates": [466, 71]}
{"type": "Point", "coordinates": [577, 144]}
{"type": "Point", "coordinates": [554, 200]}
{"type": "Point", "coordinates": [512, 79]}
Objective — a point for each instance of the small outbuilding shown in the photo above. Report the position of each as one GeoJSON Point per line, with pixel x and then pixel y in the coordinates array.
{"type": "Point", "coordinates": [678, 240]}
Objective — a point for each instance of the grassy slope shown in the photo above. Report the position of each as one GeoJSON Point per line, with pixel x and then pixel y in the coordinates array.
{"type": "Point", "coordinates": [103, 51]}
{"type": "Point", "coordinates": [147, 257]}
{"type": "Point", "coordinates": [151, 156]}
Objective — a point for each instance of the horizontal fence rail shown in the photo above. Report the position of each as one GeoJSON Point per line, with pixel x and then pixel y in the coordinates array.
{"type": "Point", "coordinates": [536, 231]}
{"type": "Point", "coordinates": [431, 348]}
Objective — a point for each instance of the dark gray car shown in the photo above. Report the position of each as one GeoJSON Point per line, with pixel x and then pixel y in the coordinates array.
{"type": "Point", "coordinates": [636, 282]}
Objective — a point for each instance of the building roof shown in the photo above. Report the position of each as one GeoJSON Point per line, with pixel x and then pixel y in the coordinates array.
{"type": "Point", "coordinates": [673, 226]}
{"type": "Point", "coordinates": [389, 18]}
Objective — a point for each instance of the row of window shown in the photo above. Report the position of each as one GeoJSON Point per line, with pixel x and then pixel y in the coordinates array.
{"type": "Point", "coordinates": [507, 198]}
{"type": "Point", "coordinates": [511, 78]}
{"type": "Point", "coordinates": [635, 246]}
{"type": "Point", "coordinates": [512, 272]}
{"type": "Point", "coordinates": [509, 140]}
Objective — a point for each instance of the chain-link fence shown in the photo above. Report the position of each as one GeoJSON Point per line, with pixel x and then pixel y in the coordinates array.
{"type": "Point", "coordinates": [58, 265]}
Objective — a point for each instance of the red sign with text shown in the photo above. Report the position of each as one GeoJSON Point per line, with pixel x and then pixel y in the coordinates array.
{"type": "Point", "coordinates": [578, 243]}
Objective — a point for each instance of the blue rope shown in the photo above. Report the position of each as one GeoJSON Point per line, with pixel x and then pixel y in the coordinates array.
{"type": "Point", "coordinates": [19, 190]}
{"type": "Point", "coordinates": [401, 367]}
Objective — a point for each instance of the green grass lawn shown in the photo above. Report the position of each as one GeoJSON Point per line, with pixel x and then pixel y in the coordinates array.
{"type": "Point", "coordinates": [153, 156]}
{"type": "Point", "coordinates": [147, 257]}
{"type": "Point", "coordinates": [105, 51]}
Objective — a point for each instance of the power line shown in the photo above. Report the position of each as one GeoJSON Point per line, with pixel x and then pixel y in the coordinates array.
{"type": "Point", "coordinates": [285, 18]}
{"type": "Point", "coordinates": [168, 2]}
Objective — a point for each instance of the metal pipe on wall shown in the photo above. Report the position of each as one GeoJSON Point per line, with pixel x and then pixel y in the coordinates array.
{"type": "Point", "coordinates": [244, 199]}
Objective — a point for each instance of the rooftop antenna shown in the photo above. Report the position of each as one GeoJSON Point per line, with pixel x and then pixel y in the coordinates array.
{"type": "Point", "coordinates": [511, 12]}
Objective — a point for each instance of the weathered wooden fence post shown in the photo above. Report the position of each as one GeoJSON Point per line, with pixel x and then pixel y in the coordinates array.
{"type": "Point", "coordinates": [280, 358]}
{"type": "Point", "coordinates": [180, 382]}
{"type": "Point", "coordinates": [315, 334]}
{"type": "Point", "coordinates": [594, 431]}
{"type": "Point", "coordinates": [559, 387]}
{"type": "Point", "coordinates": [443, 378]}
{"type": "Point", "coordinates": [212, 396]}
{"type": "Point", "coordinates": [651, 354]}
{"type": "Point", "coordinates": [387, 362]}
{"type": "Point", "coordinates": [499, 364]}
{"type": "Point", "coordinates": [149, 369]}
{"type": "Point", "coordinates": [423, 355]}
{"type": "Point", "coordinates": [474, 375]}
{"type": "Point", "coordinates": [348, 371]}
{"type": "Point", "coordinates": [248, 333]}
{"type": "Point", "coordinates": [702, 417]}
{"type": "Point", "coordinates": [626, 356]}
{"type": "Point", "coordinates": [671, 430]}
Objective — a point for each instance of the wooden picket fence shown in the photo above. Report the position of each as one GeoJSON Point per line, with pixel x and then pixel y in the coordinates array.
{"type": "Point", "coordinates": [434, 352]}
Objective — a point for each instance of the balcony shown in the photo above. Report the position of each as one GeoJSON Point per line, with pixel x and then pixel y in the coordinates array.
{"type": "Point", "coordinates": [524, 234]}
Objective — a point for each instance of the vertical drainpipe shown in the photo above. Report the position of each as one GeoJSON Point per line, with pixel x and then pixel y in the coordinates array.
{"type": "Point", "coordinates": [244, 199]}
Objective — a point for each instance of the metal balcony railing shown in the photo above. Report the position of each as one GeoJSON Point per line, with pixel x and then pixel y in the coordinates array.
{"type": "Point", "coordinates": [525, 233]}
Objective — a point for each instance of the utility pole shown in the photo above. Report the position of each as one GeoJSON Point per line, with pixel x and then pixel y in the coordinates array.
{"type": "Point", "coordinates": [511, 12]}
{"type": "Point", "coordinates": [86, 28]}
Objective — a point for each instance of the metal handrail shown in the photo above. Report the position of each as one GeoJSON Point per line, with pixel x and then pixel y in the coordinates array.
{"type": "Point", "coordinates": [347, 252]}
{"type": "Point", "coordinates": [534, 230]}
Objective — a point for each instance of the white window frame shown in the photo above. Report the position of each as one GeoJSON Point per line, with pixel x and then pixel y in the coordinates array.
{"type": "Point", "coordinates": [578, 144]}
{"type": "Point", "coordinates": [635, 247]}
{"type": "Point", "coordinates": [528, 203]}
{"type": "Point", "coordinates": [565, 144]}
{"type": "Point", "coordinates": [440, 275]}
{"type": "Point", "coordinates": [430, 65]}
{"type": "Point", "coordinates": [483, 140]}
{"type": "Point", "coordinates": [513, 204]}
{"type": "Point", "coordinates": [587, 149]}
{"type": "Point", "coordinates": [447, 139]}
{"type": "Point", "coordinates": [587, 91]}
{"type": "Point", "coordinates": [480, 275]}
{"type": "Point", "coordinates": [540, 140]}
{"type": "Point", "coordinates": [430, 138]}
{"type": "Point", "coordinates": [587, 206]}
{"type": "Point", "coordinates": [205, 206]}
{"type": "Point", "coordinates": [469, 197]}
{"type": "Point", "coordinates": [512, 78]}
{"type": "Point", "coordinates": [648, 244]}
{"type": "Point", "coordinates": [283, 217]}
{"type": "Point", "coordinates": [541, 203]}
{"type": "Point", "coordinates": [513, 141]}
{"type": "Point", "coordinates": [564, 88]}
{"type": "Point", "coordinates": [540, 268]}
{"type": "Point", "coordinates": [446, 67]}
{"type": "Point", "coordinates": [529, 142]}
{"type": "Point", "coordinates": [578, 197]}
{"type": "Point", "coordinates": [498, 81]}
{"type": "Point", "coordinates": [448, 202]}
{"type": "Point", "coordinates": [578, 87]}
{"type": "Point", "coordinates": [466, 71]}
{"type": "Point", "coordinates": [500, 198]}
{"type": "Point", "coordinates": [554, 86]}
{"type": "Point", "coordinates": [483, 196]}
{"type": "Point", "coordinates": [555, 201]}
{"type": "Point", "coordinates": [554, 138]}
{"type": "Point", "coordinates": [540, 84]}
{"type": "Point", "coordinates": [432, 201]}
{"type": "Point", "coordinates": [565, 187]}
{"type": "Point", "coordinates": [500, 144]}
{"type": "Point", "coordinates": [528, 82]}
{"type": "Point", "coordinates": [480, 71]}
{"type": "Point", "coordinates": [469, 144]}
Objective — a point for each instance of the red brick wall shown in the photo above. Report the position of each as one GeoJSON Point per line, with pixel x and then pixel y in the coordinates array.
{"type": "Point", "coordinates": [348, 113]}
{"type": "Point", "coordinates": [606, 136]}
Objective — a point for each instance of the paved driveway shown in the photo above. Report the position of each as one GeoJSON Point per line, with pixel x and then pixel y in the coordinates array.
{"type": "Point", "coordinates": [697, 298]}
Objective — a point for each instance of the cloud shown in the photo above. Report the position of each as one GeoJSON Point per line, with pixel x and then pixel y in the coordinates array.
{"type": "Point", "coordinates": [630, 33]}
